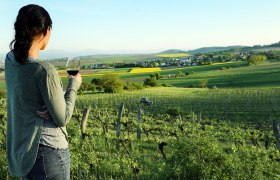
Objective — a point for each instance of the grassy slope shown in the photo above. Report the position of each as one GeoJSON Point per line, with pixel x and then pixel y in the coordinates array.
{"type": "Point", "coordinates": [238, 75]}
{"type": "Point", "coordinates": [265, 75]}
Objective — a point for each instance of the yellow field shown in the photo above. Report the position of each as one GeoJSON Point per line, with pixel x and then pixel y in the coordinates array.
{"type": "Point", "coordinates": [63, 73]}
{"type": "Point", "coordinates": [144, 70]}
{"type": "Point", "coordinates": [173, 55]}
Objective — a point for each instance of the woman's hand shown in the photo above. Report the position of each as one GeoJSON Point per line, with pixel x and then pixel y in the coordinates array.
{"type": "Point", "coordinates": [77, 77]}
{"type": "Point", "coordinates": [44, 114]}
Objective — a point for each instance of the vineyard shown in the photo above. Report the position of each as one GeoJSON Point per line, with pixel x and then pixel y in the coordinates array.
{"type": "Point", "coordinates": [172, 133]}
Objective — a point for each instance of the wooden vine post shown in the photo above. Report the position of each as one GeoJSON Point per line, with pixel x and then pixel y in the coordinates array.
{"type": "Point", "coordinates": [161, 149]}
{"type": "Point", "coordinates": [139, 122]}
{"type": "Point", "coordinates": [105, 129]}
{"type": "Point", "coordinates": [118, 127]}
{"type": "Point", "coordinates": [84, 122]}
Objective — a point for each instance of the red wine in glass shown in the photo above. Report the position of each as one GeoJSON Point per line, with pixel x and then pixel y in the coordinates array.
{"type": "Point", "coordinates": [72, 72]}
{"type": "Point", "coordinates": [73, 65]}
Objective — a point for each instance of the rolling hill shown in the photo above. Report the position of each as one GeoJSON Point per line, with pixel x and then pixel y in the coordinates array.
{"type": "Point", "coordinates": [173, 51]}
{"type": "Point", "coordinates": [214, 49]}
{"type": "Point", "coordinates": [222, 75]}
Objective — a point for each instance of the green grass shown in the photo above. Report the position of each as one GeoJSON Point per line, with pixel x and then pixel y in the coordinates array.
{"type": "Point", "coordinates": [211, 139]}
{"type": "Point", "coordinates": [265, 75]}
{"type": "Point", "coordinates": [240, 103]}
{"type": "Point", "coordinates": [216, 135]}
{"type": "Point", "coordinates": [230, 75]}
{"type": "Point", "coordinates": [226, 142]}
{"type": "Point", "coordinates": [236, 74]}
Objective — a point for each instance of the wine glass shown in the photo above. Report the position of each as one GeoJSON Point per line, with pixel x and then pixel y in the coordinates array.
{"type": "Point", "coordinates": [73, 65]}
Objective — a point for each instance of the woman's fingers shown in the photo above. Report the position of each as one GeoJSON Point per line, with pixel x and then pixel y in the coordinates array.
{"type": "Point", "coordinates": [44, 114]}
{"type": "Point", "coordinates": [77, 77]}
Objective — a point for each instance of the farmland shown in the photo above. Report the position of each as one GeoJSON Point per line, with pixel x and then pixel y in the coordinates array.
{"type": "Point", "coordinates": [187, 133]}
{"type": "Point", "coordinates": [144, 70]}
{"type": "Point", "coordinates": [223, 75]}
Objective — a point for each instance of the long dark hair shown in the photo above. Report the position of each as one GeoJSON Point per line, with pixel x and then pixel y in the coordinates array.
{"type": "Point", "coordinates": [32, 20]}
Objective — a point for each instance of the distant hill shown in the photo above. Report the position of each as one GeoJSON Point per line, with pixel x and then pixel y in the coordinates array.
{"type": "Point", "coordinates": [274, 46]}
{"type": "Point", "coordinates": [213, 49]}
{"type": "Point", "coordinates": [264, 49]}
{"type": "Point", "coordinates": [173, 51]}
{"type": "Point", "coordinates": [117, 58]}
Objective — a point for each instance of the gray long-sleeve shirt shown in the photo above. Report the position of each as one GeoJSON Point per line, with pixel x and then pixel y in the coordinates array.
{"type": "Point", "coordinates": [30, 86]}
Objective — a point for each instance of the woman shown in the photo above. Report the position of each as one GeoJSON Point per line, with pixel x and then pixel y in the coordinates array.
{"type": "Point", "coordinates": [37, 108]}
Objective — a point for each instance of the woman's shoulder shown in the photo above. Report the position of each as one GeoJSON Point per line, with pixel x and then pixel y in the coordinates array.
{"type": "Point", "coordinates": [48, 67]}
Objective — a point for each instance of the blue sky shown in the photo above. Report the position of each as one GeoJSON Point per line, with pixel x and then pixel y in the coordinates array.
{"type": "Point", "coordinates": [150, 25]}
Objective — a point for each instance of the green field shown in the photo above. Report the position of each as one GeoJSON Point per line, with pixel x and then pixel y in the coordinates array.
{"type": "Point", "coordinates": [224, 75]}
{"type": "Point", "coordinates": [266, 75]}
{"type": "Point", "coordinates": [229, 75]}
{"type": "Point", "coordinates": [187, 133]}
{"type": "Point", "coordinates": [209, 134]}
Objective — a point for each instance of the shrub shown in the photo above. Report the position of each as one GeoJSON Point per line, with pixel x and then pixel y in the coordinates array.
{"type": "Point", "coordinates": [86, 87]}
{"type": "Point", "coordinates": [130, 86]}
{"type": "Point", "coordinates": [256, 59]}
{"type": "Point", "coordinates": [96, 85]}
{"type": "Point", "coordinates": [202, 157]}
{"type": "Point", "coordinates": [111, 83]}
{"type": "Point", "coordinates": [151, 81]}
{"type": "Point", "coordinates": [157, 75]}
{"type": "Point", "coordinates": [96, 81]}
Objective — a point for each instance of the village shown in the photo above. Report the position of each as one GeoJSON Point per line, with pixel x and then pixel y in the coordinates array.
{"type": "Point", "coordinates": [180, 60]}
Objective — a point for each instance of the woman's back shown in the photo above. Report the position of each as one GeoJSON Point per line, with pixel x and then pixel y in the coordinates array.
{"type": "Point", "coordinates": [24, 99]}
{"type": "Point", "coordinates": [31, 86]}
{"type": "Point", "coordinates": [37, 108]}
